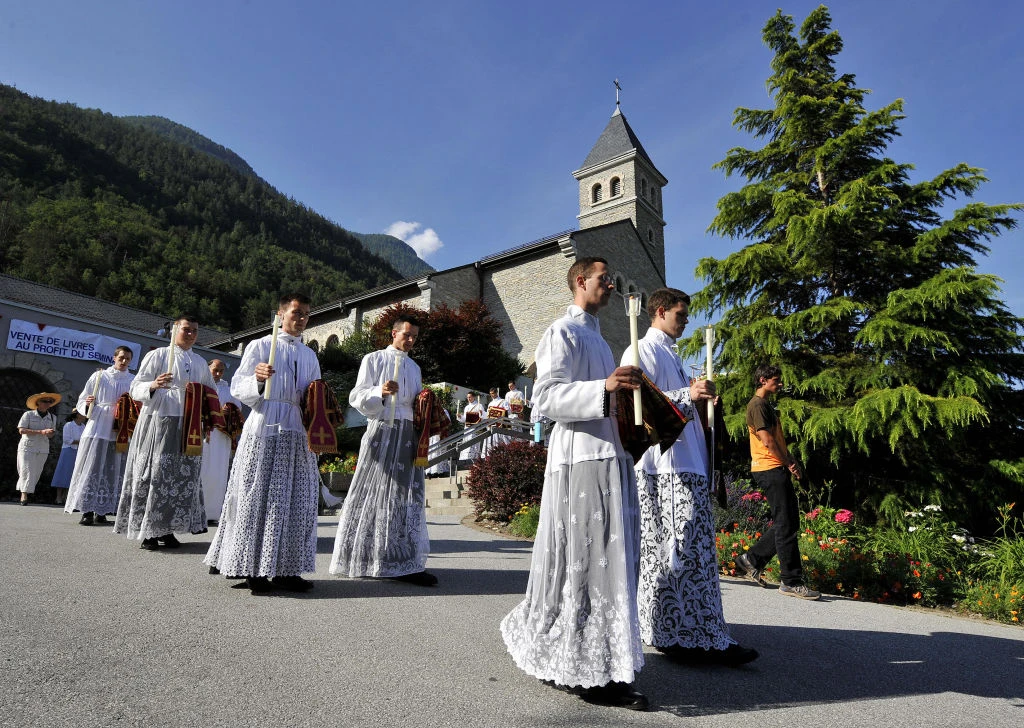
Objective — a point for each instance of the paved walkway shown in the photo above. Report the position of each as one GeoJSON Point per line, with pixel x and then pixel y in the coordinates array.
{"type": "Point", "coordinates": [101, 633]}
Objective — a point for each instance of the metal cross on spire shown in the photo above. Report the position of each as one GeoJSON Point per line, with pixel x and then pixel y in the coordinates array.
{"type": "Point", "coordinates": [617, 89]}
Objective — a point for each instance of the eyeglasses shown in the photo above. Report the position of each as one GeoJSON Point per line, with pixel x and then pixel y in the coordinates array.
{"type": "Point", "coordinates": [605, 279]}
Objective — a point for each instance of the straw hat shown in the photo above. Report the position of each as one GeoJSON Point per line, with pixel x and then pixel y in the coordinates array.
{"type": "Point", "coordinates": [32, 401]}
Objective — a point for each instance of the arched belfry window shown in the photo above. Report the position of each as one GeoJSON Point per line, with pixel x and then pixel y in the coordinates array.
{"type": "Point", "coordinates": [332, 341]}
{"type": "Point", "coordinates": [650, 235]}
{"type": "Point", "coordinates": [616, 187]}
{"type": "Point", "coordinates": [596, 193]}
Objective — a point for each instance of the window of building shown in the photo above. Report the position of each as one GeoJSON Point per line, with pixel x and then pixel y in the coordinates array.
{"type": "Point", "coordinates": [650, 235]}
{"type": "Point", "coordinates": [616, 187]}
{"type": "Point", "coordinates": [314, 345]}
{"type": "Point", "coordinates": [332, 341]}
{"type": "Point", "coordinates": [643, 188]}
{"type": "Point", "coordinates": [596, 193]}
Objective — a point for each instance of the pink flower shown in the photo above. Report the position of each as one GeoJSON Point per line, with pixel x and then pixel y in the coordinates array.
{"type": "Point", "coordinates": [754, 496]}
{"type": "Point", "coordinates": [844, 516]}
{"type": "Point", "coordinates": [813, 514]}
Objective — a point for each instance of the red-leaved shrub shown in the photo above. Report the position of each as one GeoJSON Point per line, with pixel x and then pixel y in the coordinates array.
{"type": "Point", "coordinates": [513, 474]}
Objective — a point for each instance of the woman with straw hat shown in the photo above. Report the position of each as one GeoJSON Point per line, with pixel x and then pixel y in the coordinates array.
{"type": "Point", "coordinates": [36, 428]}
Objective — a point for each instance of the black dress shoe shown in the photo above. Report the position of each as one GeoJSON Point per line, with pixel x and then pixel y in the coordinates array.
{"type": "Point", "coordinates": [214, 570]}
{"type": "Point", "coordinates": [259, 584]}
{"type": "Point", "coordinates": [86, 520]}
{"type": "Point", "coordinates": [420, 578]}
{"type": "Point", "coordinates": [102, 519]}
{"type": "Point", "coordinates": [616, 695]}
{"type": "Point", "coordinates": [150, 544]}
{"type": "Point", "coordinates": [731, 656]}
{"type": "Point", "coordinates": [292, 583]}
{"type": "Point", "coordinates": [169, 541]}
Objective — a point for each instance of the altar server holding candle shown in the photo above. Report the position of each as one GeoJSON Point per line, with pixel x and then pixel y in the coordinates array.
{"type": "Point", "coordinates": [577, 626]}
{"type": "Point", "coordinates": [679, 598]}
{"type": "Point", "coordinates": [161, 493]}
{"type": "Point", "coordinates": [99, 468]}
{"type": "Point", "coordinates": [382, 529]}
{"type": "Point", "coordinates": [267, 526]}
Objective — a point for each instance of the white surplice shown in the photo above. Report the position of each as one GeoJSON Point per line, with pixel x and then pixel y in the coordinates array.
{"type": "Point", "coordinates": [578, 624]}
{"type": "Point", "coordinates": [161, 493]}
{"type": "Point", "coordinates": [99, 468]}
{"type": "Point", "coordinates": [382, 529]}
{"type": "Point", "coordinates": [473, 451]}
{"type": "Point", "coordinates": [679, 596]}
{"type": "Point", "coordinates": [267, 526]}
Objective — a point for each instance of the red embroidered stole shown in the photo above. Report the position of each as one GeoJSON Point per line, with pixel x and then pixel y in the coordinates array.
{"type": "Point", "coordinates": [233, 422]}
{"type": "Point", "coordinates": [320, 415]}
{"type": "Point", "coordinates": [202, 412]}
{"type": "Point", "coordinates": [428, 418]}
{"type": "Point", "coordinates": [126, 415]}
{"type": "Point", "coordinates": [662, 420]}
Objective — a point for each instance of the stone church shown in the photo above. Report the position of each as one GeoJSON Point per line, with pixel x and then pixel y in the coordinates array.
{"type": "Point", "coordinates": [620, 219]}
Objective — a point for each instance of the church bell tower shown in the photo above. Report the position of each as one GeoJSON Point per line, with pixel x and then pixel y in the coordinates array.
{"type": "Point", "coordinates": [617, 181]}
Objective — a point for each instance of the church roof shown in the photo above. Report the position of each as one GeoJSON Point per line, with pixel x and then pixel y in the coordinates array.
{"type": "Point", "coordinates": [89, 308]}
{"type": "Point", "coordinates": [617, 139]}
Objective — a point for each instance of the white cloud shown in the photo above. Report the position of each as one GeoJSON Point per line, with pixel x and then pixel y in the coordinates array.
{"type": "Point", "coordinates": [425, 242]}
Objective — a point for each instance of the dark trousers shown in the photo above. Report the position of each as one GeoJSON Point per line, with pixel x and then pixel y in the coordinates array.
{"type": "Point", "coordinates": [781, 538]}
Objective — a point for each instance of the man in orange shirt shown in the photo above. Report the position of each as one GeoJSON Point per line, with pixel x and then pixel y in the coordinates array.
{"type": "Point", "coordinates": [770, 468]}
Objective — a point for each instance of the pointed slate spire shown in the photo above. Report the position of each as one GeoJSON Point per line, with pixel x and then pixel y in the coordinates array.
{"type": "Point", "coordinates": [616, 139]}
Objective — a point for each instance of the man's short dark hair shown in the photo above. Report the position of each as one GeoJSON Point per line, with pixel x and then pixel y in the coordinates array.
{"type": "Point", "coordinates": [404, 319]}
{"type": "Point", "coordinates": [287, 298]}
{"type": "Point", "coordinates": [126, 350]}
{"type": "Point", "coordinates": [582, 267]}
{"type": "Point", "coordinates": [665, 298]}
{"type": "Point", "coordinates": [187, 316]}
{"type": "Point", "coordinates": [766, 372]}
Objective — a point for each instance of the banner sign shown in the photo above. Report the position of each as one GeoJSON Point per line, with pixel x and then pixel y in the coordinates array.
{"type": "Point", "coordinates": [67, 343]}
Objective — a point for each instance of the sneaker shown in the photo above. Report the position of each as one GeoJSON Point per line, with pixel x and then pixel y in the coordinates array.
{"type": "Point", "coordinates": [799, 591]}
{"type": "Point", "coordinates": [745, 569]}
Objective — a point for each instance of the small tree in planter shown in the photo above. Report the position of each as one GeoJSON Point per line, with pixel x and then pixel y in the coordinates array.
{"type": "Point", "coordinates": [511, 476]}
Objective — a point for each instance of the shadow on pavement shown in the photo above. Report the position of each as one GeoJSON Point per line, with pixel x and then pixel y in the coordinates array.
{"type": "Point", "coordinates": [805, 666]}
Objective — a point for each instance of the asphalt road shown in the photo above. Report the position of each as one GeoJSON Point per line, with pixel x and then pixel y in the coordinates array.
{"type": "Point", "coordinates": [100, 633]}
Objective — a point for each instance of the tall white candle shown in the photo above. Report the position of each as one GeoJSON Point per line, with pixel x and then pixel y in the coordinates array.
{"type": "Point", "coordinates": [273, 352]}
{"type": "Point", "coordinates": [171, 348]}
{"type": "Point", "coordinates": [394, 377]}
{"type": "Point", "coordinates": [95, 392]}
{"type": "Point", "coordinates": [634, 344]}
{"type": "Point", "coordinates": [709, 342]}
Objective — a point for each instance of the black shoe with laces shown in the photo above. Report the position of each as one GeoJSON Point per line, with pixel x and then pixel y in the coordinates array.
{"type": "Point", "coordinates": [150, 544]}
{"type": "Point", "coordinates": [292, 583]}
{"type": "Point", "coordinates": [616, 695]}
{"type": "Point", "coordinates": [169, 541]}
{"type": "Point", "coordinates": [86, 520]}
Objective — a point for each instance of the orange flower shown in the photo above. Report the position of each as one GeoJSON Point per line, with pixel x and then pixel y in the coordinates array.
{"type": "Point", "coordinates": [917, 595]}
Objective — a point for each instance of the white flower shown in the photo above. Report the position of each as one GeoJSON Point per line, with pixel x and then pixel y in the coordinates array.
{"type": "Point", "coordinates": [933, 508]}
{"type": "Point", "coordinates": [912, 529]}
{"type": "Point", "coordinates": [959, 538]}
{"type": "Point", "coordinates": [913, 514]}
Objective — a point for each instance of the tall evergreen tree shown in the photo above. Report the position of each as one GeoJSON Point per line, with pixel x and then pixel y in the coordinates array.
{"type": "Point", "coordinates": [902, 363]}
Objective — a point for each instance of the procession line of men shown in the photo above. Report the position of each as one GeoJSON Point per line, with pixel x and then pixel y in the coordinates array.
{"type": "Point", "coordinates": [624, 553]}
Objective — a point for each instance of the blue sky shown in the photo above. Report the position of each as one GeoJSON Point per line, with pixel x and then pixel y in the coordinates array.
{"type": "Point", "coordinates": [458, 124]}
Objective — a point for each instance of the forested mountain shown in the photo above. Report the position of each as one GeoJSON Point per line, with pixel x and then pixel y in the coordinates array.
{"type": "Point", "coordinates": [397, 252]}
{"type": "Point", "coordinates": [180, 133]}
{"type": "Point", "coordinates": [108, 207]}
